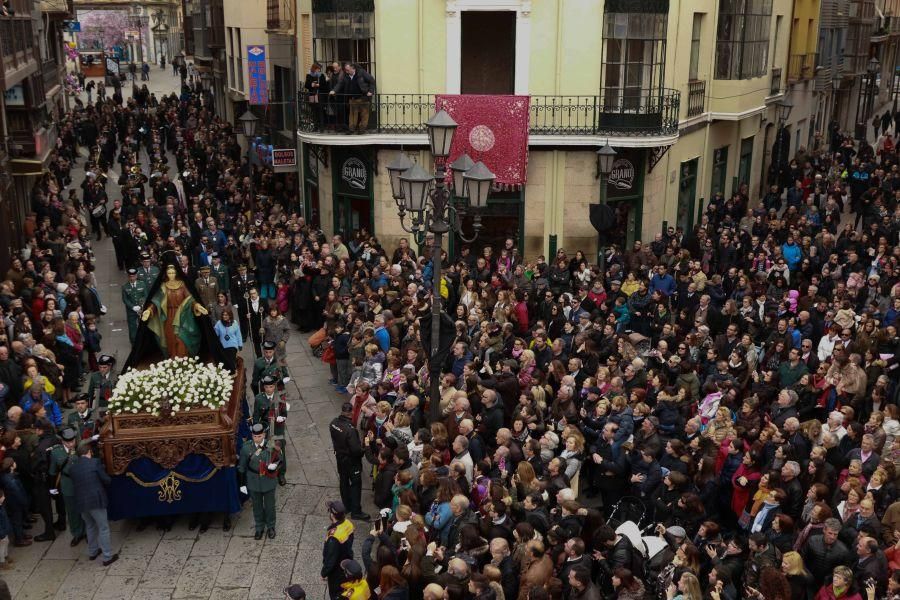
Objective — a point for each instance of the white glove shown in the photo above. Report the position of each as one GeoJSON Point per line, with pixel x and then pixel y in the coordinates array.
{"type": "Point", "coordinates": [286, 380]}
{"type": "Point", "coordinates": [243, 490]}
{"type": "Point", "coordinates": [96, 437]}
{"type": "Point", "coordinates": [287, 406]}
{"type": "Point", "coordinates": [136, 309]}
{"type": "Point", "coordinates": [54, 492]}
{"type": "Point", "coordinates": [279, 419]}
{"type": "Point", "coordinates": [272, 466]}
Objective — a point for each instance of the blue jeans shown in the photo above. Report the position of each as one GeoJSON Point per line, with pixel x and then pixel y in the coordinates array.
{"type": "Point", "coordinates": [96, 526]}
{"type": "Point", "coordinates": [267, 291]}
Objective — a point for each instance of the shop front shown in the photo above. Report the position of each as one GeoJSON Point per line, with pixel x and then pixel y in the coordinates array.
{"type": "Point", "coordinates": [503, 218]}
{"type": "Point", "coordinates": [352, 173]}
{"type": "Point", "coordinates": [625, 195]}
{"type": "Point", "coordinates": [311, 211]}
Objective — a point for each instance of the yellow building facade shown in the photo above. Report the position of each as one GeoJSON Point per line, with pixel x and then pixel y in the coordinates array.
{"type": "Point", "coordinates": [685, 96]}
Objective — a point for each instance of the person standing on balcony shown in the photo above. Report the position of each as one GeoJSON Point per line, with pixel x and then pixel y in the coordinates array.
{"type": "Point", "coordinates": [316, 88]}
{"type": "Point", "coordinates": [337, 116]}
{"type": "Point", "coordinates": [358, 87]}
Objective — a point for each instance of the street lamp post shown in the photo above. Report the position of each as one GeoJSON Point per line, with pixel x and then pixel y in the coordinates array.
{"type": "Point", "coordinates": [426, 197]}
{"type": "Point", "coordinates": [866, 101]}
{"type": "Point", "coordinates": [873, 68]}
{"type": "Point", "coordinates": [206, 85]}
{"type": "Point", "coordinates": [606, 156]}
{"type": "Point", "coordinates": [248, 123]}
{"type": "Point", "coordinates": [782, 112]}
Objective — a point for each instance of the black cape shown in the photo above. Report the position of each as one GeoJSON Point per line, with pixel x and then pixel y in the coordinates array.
{"type": "Point", "coordinates": [146, 348]}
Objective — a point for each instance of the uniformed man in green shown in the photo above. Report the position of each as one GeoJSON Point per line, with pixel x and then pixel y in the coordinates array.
{"type": "Point", "coordinates": [268, 365]}
{"type": "Point", "coordinates": [134, 294]}
{"type": "Point", "coordinates": [207, 287]}
{"type": "Point", "coordinates": [102, 382]}
{"type": "Point", "coordinates": [62, 457]}
{"type": "Point", "coordinates": [82, 418]}
{"type": "Point", "coordinates": [258, 467]}
{"type": "Point", "coordinates": [147, 272]}
{"type": "Point", "coordinates": [270, 409]}
{"type": "Point", "coordinates": [220, 271]}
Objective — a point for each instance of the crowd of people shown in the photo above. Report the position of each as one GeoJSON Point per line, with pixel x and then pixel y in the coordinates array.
{"type": "Point", "coordinates": [731, 390]}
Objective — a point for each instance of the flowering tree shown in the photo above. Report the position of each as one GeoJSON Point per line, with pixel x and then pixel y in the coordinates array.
{"type": "Point", "coordinates": [102, 29]}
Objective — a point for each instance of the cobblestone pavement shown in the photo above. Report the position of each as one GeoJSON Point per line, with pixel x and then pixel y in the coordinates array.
{"type": "Point", "coordinates": [222, 565]}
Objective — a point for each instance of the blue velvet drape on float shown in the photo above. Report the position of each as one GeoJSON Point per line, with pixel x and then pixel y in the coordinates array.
{"type": "Point", "coordinates": [146, 489]}
{"type": "Point", "coordinates": [194, 485]}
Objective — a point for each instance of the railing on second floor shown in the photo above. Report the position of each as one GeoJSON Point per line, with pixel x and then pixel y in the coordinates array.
{"type": "Point", "coordinates": [216, 35]}
{"type": "Point", "coordinates": [775, 85]}
{"type": "Point", "coordinates": [50, 71]}
{"type": "Point", "coordinates": [799, 67]}
{"type": "Point", "coordinates": [809, 65]}
{"type": "Point", "coordinates": [16, 42]}
{"type": "Point", "coordinates": [696, 97]}
{"type": "Point", "coordinates": [279, 15]}
{"type": "Point", "coordinates": [612, 113]}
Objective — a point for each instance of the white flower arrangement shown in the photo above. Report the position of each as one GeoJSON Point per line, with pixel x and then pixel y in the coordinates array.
{"type": "Point", "coordinates": [183, 383]}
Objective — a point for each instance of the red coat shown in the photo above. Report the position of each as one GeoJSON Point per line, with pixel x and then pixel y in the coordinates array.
{"type": "Point", "coordinates": [826, 593]}
{"type": "Point", "coordinates": [282, 298]}
{"type": "Point", "coordinates": [742, 494]}
{"type": "Point", "coordinates": [37, 307]}
{"type": "Point", "coordinates": [74, 334]}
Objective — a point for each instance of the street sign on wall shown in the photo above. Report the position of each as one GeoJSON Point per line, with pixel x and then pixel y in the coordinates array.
{"type": "Point", "coordinates": [284, 157]}
{"type": "Point", "coordinates": [256, 72]}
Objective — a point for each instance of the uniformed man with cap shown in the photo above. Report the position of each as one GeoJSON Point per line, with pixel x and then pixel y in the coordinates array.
{"type": "Point", "coordinates": [270, 409]}
{"type": "Point", "coordinates": [355, 586]}
{"type": "Point", "coordinates": [62, 457]}
{"type": "Point", "coordinates": [147, 272]}
{"type": "Point", "coordinates": [258, 467]}
{"type": "Point", "coordinates": [338, 548]}
{"type": "Point", "coordinates": [219, 270]}
{"type": "Point", "coordinates": [268, 365]}
{"type": "Point", "coordinates": [348, 453]}
{"type": "Point", "coordinates": [241, 285]}
{"type": "Point", "coordinates": [82, 418]}
{"type": "Point", "coordinates": [207, 287]}
{"type": "Point", "coordinates": [294, 592]}
{"type": "Point", "coordinates": [134, 295]}
{"type": "Point", "coordinates": [102, 383]}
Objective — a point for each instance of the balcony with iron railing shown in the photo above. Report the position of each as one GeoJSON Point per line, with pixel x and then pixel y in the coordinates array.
{"type": "Point", "coordinates": [696, 98]}
{"type": "Point", "coordinates": [50, 74]}
{"type": "Point", "coordinates": [775, 84]}
{"type": "Point", "coordinates": [893, 25]}
{"type": "Point", "coordinates": [34, 144]}
{"type": "Point", "coordinates": [279, 16]}
{"type": "Point", "coordinates": [16, 45]}
{"type": "Point", "coordinates": [216, 34]}
{"type": "Point", "coordinates": [809, 64]}
{"type": "Point", "coordinates": [609, 114]}
{"type": "Point", "coordinates": [799, 67]}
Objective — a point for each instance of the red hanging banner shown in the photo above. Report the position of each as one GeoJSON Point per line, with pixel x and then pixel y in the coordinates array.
{"type": "Point", "coordinates": [492, 129]}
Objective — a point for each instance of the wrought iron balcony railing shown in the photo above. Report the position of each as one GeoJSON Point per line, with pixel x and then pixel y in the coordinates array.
{"type": "Point", "coordinates": [279, 15]}
{"type": "Point", "coordinates": [775, 86]}
{"type": "Point", "coordinates": [800, 66]}
{"type": "Point", "coordinates": [809, 64]}
{"type": "Point", "coordinates": [696, 97]}
{"type": "Point", "coordinates": [50, 73]}
{"type": "Point", "coordinates": [611, 113]}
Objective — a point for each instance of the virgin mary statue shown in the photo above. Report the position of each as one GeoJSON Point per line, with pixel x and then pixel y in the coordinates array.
{"type": "Point", "coordinates": [171, 316]}
{"type": "Point", "coordinates": [174, 322]}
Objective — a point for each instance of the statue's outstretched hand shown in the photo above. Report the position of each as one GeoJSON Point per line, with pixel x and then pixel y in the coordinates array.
{"type": "Point", "coordinates": [199, 309]}
{"type": "Point", "coordinates": [146, 314]}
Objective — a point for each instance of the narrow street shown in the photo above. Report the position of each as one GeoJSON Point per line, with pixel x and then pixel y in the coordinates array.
{"type": "Point", "coordinates": [217, 564]}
